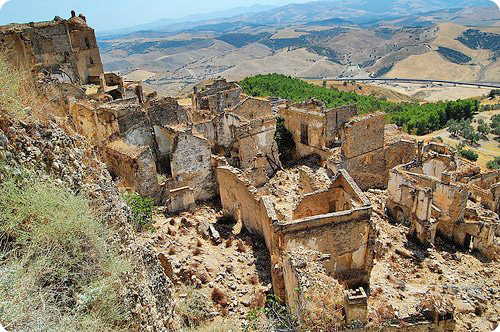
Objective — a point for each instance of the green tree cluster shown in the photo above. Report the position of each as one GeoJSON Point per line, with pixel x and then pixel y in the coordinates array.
{"type": "Point", "coordinates": [413, 117]}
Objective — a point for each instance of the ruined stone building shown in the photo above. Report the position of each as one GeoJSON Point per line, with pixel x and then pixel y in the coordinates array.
{"type": "Point", "coordinates": [305, 207]}
{"type": "Point", "coordinates": [345, 140]}
{"type": "Point", "coordinates": [216, 97]}
{"type": "Point", "coordinates": [428, 195]}
{"type": "Point", "coordinates": [66, 49]}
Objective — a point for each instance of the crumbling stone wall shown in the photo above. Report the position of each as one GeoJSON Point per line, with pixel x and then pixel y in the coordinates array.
{"type": "Point", "coordinates": [363, 134]}
{"type": "Point", "coordinates": [166, 112]}
{"type": "Point", "coordinates": [335, 120]}
{"type": "Point", "coordinates": [217, 97]}
{"type": "Point", "coordinates": [253, 108]}
{"type": "Point", "coordinates": [65, 47]}
{"type": "Point", "coordinates": [134, 166]}
{"type": "Point", "coordinates": [191, 164]}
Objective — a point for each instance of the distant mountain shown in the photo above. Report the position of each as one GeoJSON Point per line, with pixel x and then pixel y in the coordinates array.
{"type": "Point", "coordinates": [333, 12]}
{"type": "Point", "coordinates": [184, 22]}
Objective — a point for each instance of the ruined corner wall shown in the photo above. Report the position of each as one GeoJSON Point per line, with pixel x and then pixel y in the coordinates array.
{"type": "Point", "coordinates": [135, 166]}
{"type": "Point", "coordinates": [256, 145]}
{"type": "Point", "coordinates": [240, 201]}
{"type": "Point", "coordinates": [486, 190]}
{"type": "Point", "coordinates": [347, 236]}
{"type": "Point", "coordinates": [315, 122]}
{"type": "Point", "coordinates": [336, 119]}
{"type": "Point", "coordinates": [191, 165]}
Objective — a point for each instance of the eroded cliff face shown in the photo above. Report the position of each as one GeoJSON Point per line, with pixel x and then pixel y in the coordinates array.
{"type": "Point", "coordinates": [47, 150]}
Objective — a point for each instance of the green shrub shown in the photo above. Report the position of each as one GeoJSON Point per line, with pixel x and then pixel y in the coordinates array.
{"type": "Point", "coordinates": [142, 209]}
{"type": "Point", "coordinates": [58, 273]}
{"type": "Point", "coordinates": [494, 164]}
{"type": "Point", "coordinates": [469, 154]}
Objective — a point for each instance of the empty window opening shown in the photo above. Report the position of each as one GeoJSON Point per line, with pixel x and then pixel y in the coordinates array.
{"type": "Point", "coordinates": [469, 242]}
{"type": "Point", "coordinates": [91, 61]}
{"type": "Point", "coordinates": [304, 135]}
{"type": "Point", "coordinates": [332, 206]}
{"type": "Point", "coordinates": [87, 42]}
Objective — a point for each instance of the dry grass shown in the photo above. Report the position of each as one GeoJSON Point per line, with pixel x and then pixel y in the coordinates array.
{"type": "Point", "coordinates": [197, 252]}
{"type": "Point", "coordinates": [219, 297]}
{"type": "Point", "coordinates": [323, 305]}
{"type": "Point", "coordinates": [240, 246]}
{"type": "Point", "coordinates": [172, 251]}
{"type": "Point", "coordinates": [194, 310]}
{"type": "Point", "coordinates": [58, 272]}
{"type": "Point", "coordinates": [19, 95]}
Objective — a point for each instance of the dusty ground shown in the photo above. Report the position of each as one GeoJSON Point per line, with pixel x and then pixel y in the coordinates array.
{"type": "Point", "coordinates": [445, 271]}
{"type": "Point", "coordinates": [236, 263]}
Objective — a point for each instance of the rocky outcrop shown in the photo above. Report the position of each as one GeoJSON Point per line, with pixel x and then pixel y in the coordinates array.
{"type": "Point", "coordinates": [47, 150]}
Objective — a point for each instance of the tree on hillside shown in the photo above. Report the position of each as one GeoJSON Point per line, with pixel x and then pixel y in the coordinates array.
{"type": "Point", "coordinates": [484, 129]}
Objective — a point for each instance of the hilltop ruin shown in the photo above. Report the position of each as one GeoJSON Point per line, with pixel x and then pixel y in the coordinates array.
{"type": "Point", "coordinates": [315, 214]}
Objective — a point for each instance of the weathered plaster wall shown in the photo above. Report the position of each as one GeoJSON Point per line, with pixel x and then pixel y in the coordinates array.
{"type": "Point", "coordinates": [191, 164]}
{"type": "Point", "coordinates": [350, 260]}
{"type": "Point", "coordinates": [253, 108]}
{"type": "Point", "coordinates": [134, 166]}
{"type": "Point", "coordinates": [363, 134]}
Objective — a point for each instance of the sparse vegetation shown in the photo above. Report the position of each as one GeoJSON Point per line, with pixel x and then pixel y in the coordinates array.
{"type": "Point", "coordinates": [494, 164]}
{"type": "Point", "coordinates": [469, 154]}
{"type": "Point", "coordinates": [476, 39]}
{"type": "Point", "coordinates": [324, 303]}
{"type": "Point", "coordinates": [195, 309]}
{"type": "Point", "coordinates": [142, 209]}
{"type": "Point", "coordinates": [57, 271]}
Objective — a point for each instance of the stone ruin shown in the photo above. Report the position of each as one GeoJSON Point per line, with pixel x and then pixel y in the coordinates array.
{"type": "Point", "coordinates": [224, 146]}
{"type": "Point", "coordinates": [437, 193]}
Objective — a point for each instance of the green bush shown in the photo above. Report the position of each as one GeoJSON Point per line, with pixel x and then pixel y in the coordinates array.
{"type": "Point", "coordinates": [469, 154]}
{"type": "Point", "coordinates": [57, 271]}
{"type": "Point", "coordinates": [142, 209]}
{"type": "Point", "coordinates": [494, 164]}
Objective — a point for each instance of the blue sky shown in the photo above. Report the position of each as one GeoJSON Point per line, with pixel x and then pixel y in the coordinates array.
{"type": "Point", "coordinates": [112, 14]}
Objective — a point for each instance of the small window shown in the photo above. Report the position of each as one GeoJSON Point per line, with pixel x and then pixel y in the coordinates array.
{"type": "Point", "coordinates": [87, 42]}
{"type": "Point", "coordinates": [91, 61]}
{"type": "Point", "coordinates": [200, 159]}
{"type": "Point", "coordinates": [304, 135]}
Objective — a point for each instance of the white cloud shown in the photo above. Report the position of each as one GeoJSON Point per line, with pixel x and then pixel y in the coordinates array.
{"type": "Point", "coordinates": [497, 2]}
{"type": "Point", "coordinates": [2, 2]}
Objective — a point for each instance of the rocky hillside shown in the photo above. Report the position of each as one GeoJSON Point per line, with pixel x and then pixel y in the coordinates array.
{"type": "Point", "coordinates": [51, 180]}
